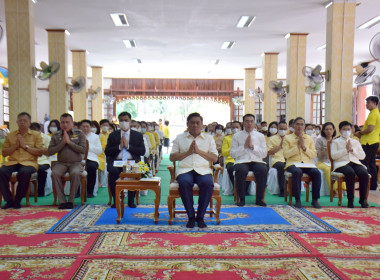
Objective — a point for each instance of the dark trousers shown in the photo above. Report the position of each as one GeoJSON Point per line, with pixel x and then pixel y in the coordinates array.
{"type": "Point", "coordinates": [92, 167]}
{"type": "Point", "coordinates": [186, 183]}
{"type": "Point", "coordinates": [349, 171]}
{"type": "Point", "coordinates": [230, 170]}
{"type": "Point", "coordinates": [260, 172]}
{"type": "Point", "coordinates": [41, 178]}
{"type": "Point", "coordinates": [113, 175]}
{"type": "Point", "coordinates": [296, 180]}
{"type": "Point", "coordinates": [370, 162]}
{"type": "Point", "coordinates": [280, 167]}
{"type": "Point", "coordinates": [23, 177]}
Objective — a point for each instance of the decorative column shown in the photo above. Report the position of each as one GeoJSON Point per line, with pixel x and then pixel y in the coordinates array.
{"type": "Point", "coordinates": [340, 32]}
{"type": "Point", "coordinates": [80, 104]}
{"type": "Point", "coordinates": [296, 60]}
{"type": "Point", "coordinates": [249, 83]}
{"type": "Point", "coordinates": [270, 63]}
{"type": "Point", "coordinates": [19, 17]}
{"type": "Point", "coordinates": [97, 103]}
{"type": "Point", "coordinates": [58, 97]}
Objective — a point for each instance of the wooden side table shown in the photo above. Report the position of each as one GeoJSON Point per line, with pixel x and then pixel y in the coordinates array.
{"type": "Point", "coordinates": [133, 184]}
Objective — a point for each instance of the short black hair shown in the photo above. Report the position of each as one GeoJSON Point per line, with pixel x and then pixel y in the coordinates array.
{"type": "Point", "coordinates": [25, 114]}
{"type": "Point", "coordinates": [194, 115]}
{"type": "Point", "coordinates": [308, 124]}
{"type": "Point", "coordinates": [104, 121]}
{"type": "Point", "coordinates": [35, 126]}
{"type": "Point", "coordinates": [57, 124]}
{"type": "Point", "coordinates": [122, 114]}
{"type": "Point", "coordinates": [372, 98]}
{"type": "Point", "coordinates": [67, 115]}
{"type": "Point", "coordinates": [263, 123]}
{"type": "Point", "coordinates": [344, 123]}
{"type": "Point", "coordinates": [84, 121]}
{"type": "Point", "coordinates": [291, 122]}
{"type": "Point", "coordinates": [236, 122]}
{"type": "Point", "coordinates": [299, 118]}
{"type": "Point", "coordinates": [357, 128]}
{"type": "Point", "coordinates": [284, 122]}
{"type": "Point", "coordinates": [97, 126]}
{"type": "Point", "coordinates": [166, 122]}
{"type": "Point", "coordinates": [219, 126]}
{"type": "Point", "coordinates": [323, 134]}
{"type": "Point", "coordinates": [248, 115]}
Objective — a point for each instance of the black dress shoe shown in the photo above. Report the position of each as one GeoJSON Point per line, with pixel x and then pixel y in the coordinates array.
{"type": "Point", "coordinates": [62, 206]}
{"type": "Point", "coordinates": [350, 204]}
{"type": "Point", "coordinates": [364, 204]}
{"type": "Point", "coordinates": [281, 195]}
{"type": "Point", "coordinates": [90, 195]}
{"type": "Point", "coordinates": [16, 205]}
{"type": "Point", "coordinates": [190, 223]}
{"type": "Point", "coordinates": [201, 223]}
{"type": "Point", "coordinates": [8, 205]}
{"type": "Point", "coordinates": [113, 205]}
{"type": "Point", "coordinates": [241, 203]}
{"type": "Point", "coordinates": [298, 204]}
{"type": "Point", "coordinates": [315, 204]}
{"type": "Point", "coordinates": [261, 203]}
{"type": "Point", "coordinates": [131, 205]}
{"type": "Point", "coordinates": [69, 205]}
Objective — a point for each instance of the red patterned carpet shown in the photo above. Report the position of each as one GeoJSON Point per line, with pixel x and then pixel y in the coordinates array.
{"type": "Point", "coordinates": [26, 252]}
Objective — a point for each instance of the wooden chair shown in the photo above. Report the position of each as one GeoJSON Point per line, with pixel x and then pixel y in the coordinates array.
{"type": "Point", "coordinates": [13, 181]}
{"type": "Point", "coordinates": [174, 193]}
{"type": "Point", "coordinates": [339, 177]}
{"type": "Point", "coordinates": [250, 177]}
{"type": "Point", "coordinates": [66, 178]}
{"type": "Point", "coordinates": [289, 186]}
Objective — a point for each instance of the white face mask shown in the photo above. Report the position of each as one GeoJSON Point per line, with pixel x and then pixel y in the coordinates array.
{"type": "Point", "coordinates": [291, 129]}
{"type": "Point", "coordinates": [317, 132]}
{"type": "Point", "coordinates": [124, 125]}
{"type": "Point", "coordinates": [134, 128]}
{"type": "Point", "coordinates": [53, 129]}
{"type": "Point", "coordinates": [235, 130]}
{"type": "Point", "coordinates": [282, 132]}
{"type": "Point", "coordinates": [138, 129]}
{"type": "Point", "coordinates": [149, 128]}
{"type": "Point", "coordinates": [156, 128]}
{"type": "Point", "coordinates": [228, 131]}
{"type": "Point", "coordinates": [104, 128]}
{"type": "Point", "coordinates": [219, 131]}
{"type": "Point", "coordinates": [346, 133]}
{"type": "Point", "coordinates": [143, 130]}
{"type": "Point", "coordinates": [93, 129]}
{"type": "Point", "coordinates": [264, 128]}
{"type": "Point", "coordinates": [309, 132]}
{"type": "Point", "coordinates": [272, 130]}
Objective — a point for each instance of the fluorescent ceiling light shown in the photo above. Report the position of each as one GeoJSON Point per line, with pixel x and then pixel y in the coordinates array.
{"type": "Point", "coordinates": [321, 47]}
{"type": "Point", "coordinates": [67, 32]}
{"type": "Point", "coordinates": [328, 4]}
{"type": "Point", "coordinates": [119, 19]}
{"type": "Point", "coordinates": [245, 21]}
{"type": "Point", "coordinates": [215, 61]}
{"type": "Point", "coordinates": [137, 60]}
{"type": "Point", "coordinates": [372, 22]}
{"type": "Point", "coordinates": [228, 44]}
{"type": "Point", "coordinates": [129, 43]}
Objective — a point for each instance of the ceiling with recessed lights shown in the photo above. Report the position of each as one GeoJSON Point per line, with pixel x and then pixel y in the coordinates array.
{"type": "Point", "coordinates": [183, 38]}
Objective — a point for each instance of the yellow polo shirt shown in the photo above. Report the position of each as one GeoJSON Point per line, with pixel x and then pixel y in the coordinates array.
{"type": "Point", "coordinates": [373, 137]}
{"type": "Point", "coordinates": [166, 132]}
{"type": "Point", "coordinates": [226, 146]}
{"type": "Point", "coordinates": [293, 154]}
{"type": "Point", "coordinates": [20, 156]}
{"type": "Point", "coordinates": [275, 141]}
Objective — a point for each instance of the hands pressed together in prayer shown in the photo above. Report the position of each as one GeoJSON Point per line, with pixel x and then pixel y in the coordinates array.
{"type": "Point", "coordinates": [66, 137]}
{"type": "Point", "coordinates": [123, 142]}
{"type": "Point", "coordinates": [301, 143]}
{"type": "Point", "coordinates": [248, 143]}
{"type": "Point", "coordinates": [20, 142]}
{"type": "Point", "coordinates": [349, 146]}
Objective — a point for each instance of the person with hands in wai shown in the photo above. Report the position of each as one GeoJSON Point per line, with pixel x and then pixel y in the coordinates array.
{"type": "Point", "coordinates": [194, 151]}
{"type": "Point", "coordinates": [248, 147]}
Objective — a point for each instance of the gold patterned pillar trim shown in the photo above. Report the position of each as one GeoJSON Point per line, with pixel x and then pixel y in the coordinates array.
{"type": "Point", "coordinates": [296, 60]}
{"type": "Point", "coordinates": [97, 103]}
{"type": "Point", "coordinates": [58, 97]}
{"type": "Point", "coordinates": [19, 17]}
{"type": "Point", "coordinates": [80, 104]}
{"type": "Point", "coordinates": [340, 32]}
{"type": "Point", "coordinates": [270, 63]}
{"type": "Point", "coordinates": [249, 83]}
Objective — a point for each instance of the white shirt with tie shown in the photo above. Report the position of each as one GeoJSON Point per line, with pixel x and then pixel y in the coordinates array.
{"type": "Point", "coordinates": [245, 155]}
{"type": "Point", "coordinates": [340, 155]}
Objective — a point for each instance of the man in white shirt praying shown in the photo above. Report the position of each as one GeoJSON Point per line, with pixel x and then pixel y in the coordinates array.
{"type": "Point", "coordinates": [194, 150]}
{"type": "Point", "coordinates": [248, 147]}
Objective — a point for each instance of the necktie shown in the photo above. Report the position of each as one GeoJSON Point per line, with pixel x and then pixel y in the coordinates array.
{"type": "Point", "coordinates": [125, 152]}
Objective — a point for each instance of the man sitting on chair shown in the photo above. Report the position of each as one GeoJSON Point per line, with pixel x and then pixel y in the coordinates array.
{"type": "Point", "coordinates": [347, 153]}
{"type": "Point", "coordinates": [124, 144]}
{"type": "Point", "coordinates": [194, 150]}
{"type": "Point", "coordinates": [70, 144]}
{"type": "Point", "coordinates": [22, 147]}
{"type": "Point", "coordinates": [248, 147]}
{"type": "Point", "coordinates": [298, 149]}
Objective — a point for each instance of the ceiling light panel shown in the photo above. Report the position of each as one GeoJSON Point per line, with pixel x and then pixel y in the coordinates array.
{"type": "Point", "coordinates": [119, 19]}
{"type": "Point", "coordinates": [129, 43]}
{"type": "Point", "coordinates": [228, 45]}
{"type": "Point", "coordinates": [371, 23]}
{"type": "Point", "coordinates": [245, 21]}
{"type": "Point", "coordinates": [321, 47]}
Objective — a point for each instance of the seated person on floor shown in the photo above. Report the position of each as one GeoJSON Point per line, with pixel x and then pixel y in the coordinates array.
{"type": "Point", "coordinates": [70, 144]}
{"type": "Point", "coordinates": [43, 160]}
{"type": "Point", "coordinates": [229, 161]}
{"type": "Point", "coordinates": [194, 151]}
{"type": "Point", "coordinates": [94, 149]}
{"type": "Point", "coordinates": [346, 154]}
{"type": "Point", "coordinates": [248, 148]}
{"type": "Point", "coordinates": [124, 144]}
{"type": "Point", "coordinates": [275, 150]}
{"type": "Point", "coordinates": [299, 148]}
{"type": "Point", "coordinates": [22, 147]}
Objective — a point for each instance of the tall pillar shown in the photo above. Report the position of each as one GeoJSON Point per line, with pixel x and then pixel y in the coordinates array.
{"type": "Point", "coordinates": [80, 103]}
{"type": "Point", "coordinates": [249, 83]}
{"type": "Point", "coordinates": [58, 97]}
{"type": "Point", "coordinates": [270, 63]}
{"type": "Point", "coordinates": [19, 16]}
{"type": "Point", "coordinates": [340, 32]}
{"type": "Point", "coordinates": [97, 103]}
{"type": "Point", "coordinates": [296, 60]}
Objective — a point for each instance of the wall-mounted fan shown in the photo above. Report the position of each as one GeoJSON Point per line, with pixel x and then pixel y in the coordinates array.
{"type": "Point", "coordinates": [256, 93]}
{"type": "Point", "coordinates": [313, 78]}
{"type": "Point", "coordinates": [46, 71]}
{"type": "Point", "coordinates": [363, 72]}
{"type": "Point", "coordinates": [238, 101]}
{"type": "Point", "coordinates": [278, 88]}
{"type": "Point", "coordinates": [109, 99]}
{"type": "Point", "coordinates": [376, 85]}
{"type": "Point", "coordinates": [77, 84]}
{"type": "Point", "coordinates": [92, 94]}
{"type": "Point", "coordinates": [374, 47]}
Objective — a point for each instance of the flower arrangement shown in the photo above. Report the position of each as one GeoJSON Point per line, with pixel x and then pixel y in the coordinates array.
{"type": "Point", "coordinates": [144, 169]}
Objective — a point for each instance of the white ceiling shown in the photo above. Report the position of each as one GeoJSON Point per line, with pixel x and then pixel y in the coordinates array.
{"type": "Point", "coordinates": [179, 38]}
